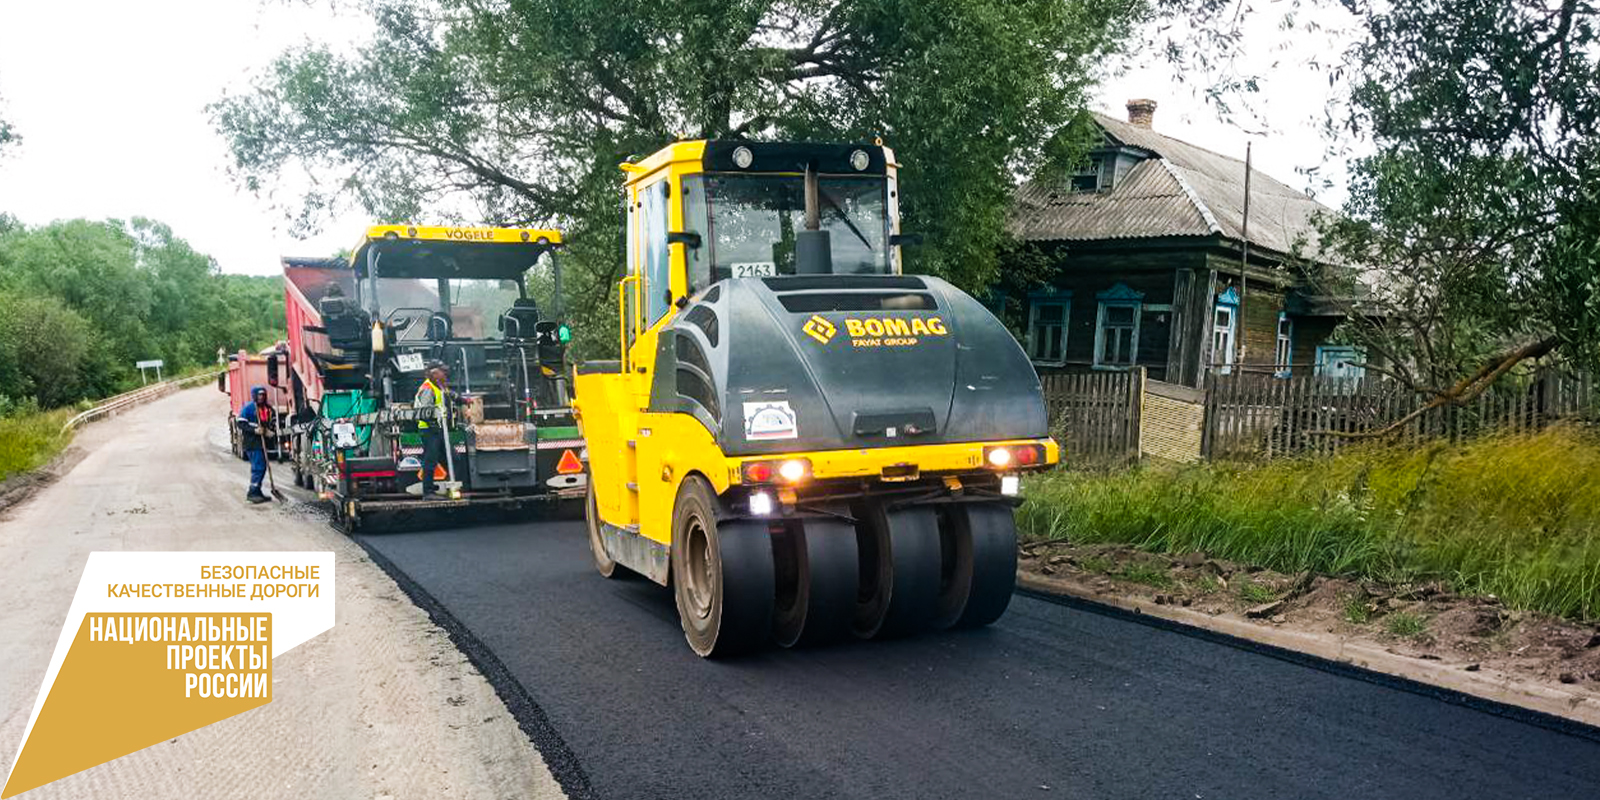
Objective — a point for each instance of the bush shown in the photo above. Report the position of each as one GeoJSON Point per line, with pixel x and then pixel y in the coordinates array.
{"type": "Point", "coordinates": [1517, 517]}
{"type": "Point", "coordinates": [47, 353]}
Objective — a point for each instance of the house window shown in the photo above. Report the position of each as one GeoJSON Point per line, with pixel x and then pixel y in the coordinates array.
{"type": "Point", "coordinates": [1048, 315]}
{"type": "Point", "coordinates": [1087, 177]}
{"type": "Point", "coordinates": [1224, 330]}
{"type": "Point", "coordinates": [1340, 361]}
{"type": "Point", "coordinates": [1285, 353]}
{"type": "Point", "coordinates": [1116, 339]}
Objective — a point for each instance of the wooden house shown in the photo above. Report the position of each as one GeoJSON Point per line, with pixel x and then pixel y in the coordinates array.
{"type": "Point", "coordinates": [1145, 247]}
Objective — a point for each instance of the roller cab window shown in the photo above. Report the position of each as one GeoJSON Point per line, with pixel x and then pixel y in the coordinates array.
{"type": "Point", "coordinates": [752, 221]}
{"type": "Point", "coordinates": [471, 304]}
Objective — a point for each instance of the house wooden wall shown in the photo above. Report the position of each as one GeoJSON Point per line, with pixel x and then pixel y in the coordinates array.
{"type": "Point", "coordinates": [1309, 332]}
{"type": "Point", "coordinates": [1086, 274]}
{"type": "Point", "coordinates": [1179, 281]}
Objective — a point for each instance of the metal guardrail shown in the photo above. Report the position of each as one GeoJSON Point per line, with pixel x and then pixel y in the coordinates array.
{"type": "Point", "coordinates": [145, 394]}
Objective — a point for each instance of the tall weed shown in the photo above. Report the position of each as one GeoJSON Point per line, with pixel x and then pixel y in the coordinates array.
{"type": "Point", "coordinates": [1517, 517]}
{"type": "Point", "coordinates": [29, 440]}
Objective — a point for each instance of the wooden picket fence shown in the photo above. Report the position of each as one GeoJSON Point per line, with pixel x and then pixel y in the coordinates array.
{"type": "Point", "coordinates": [1095, 416]}
{"type": "Point", "coordinates": [1111, 419]}
{"type": "Point", "coordinates": [1252, 415]}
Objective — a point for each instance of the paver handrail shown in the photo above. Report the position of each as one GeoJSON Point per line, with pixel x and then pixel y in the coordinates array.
{"type": "Point", "coordinates": [112, 405]}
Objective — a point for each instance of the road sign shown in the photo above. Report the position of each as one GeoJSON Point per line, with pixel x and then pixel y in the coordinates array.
{"type": "Point", "coordinates": [155, 364]}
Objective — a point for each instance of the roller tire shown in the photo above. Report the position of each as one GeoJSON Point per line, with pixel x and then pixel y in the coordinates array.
{"type": "Point", "coordinates": [899, 572]}
{"type": "Point", "coordinates": [722, 575]}
{"type": "Point", "coordinates": [603, 562]}
{"type": "Point", "coordinates": [992, 530]}
{"type": "Point", "coordinates": [956, 568]}
{"type": "Point", "coordinates": [818, 576]}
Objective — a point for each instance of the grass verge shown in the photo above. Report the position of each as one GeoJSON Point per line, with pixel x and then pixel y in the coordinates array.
{"type": "Point", "coordinates": [29, 440]}
{"type": "Point", "coordinates": [1515, 517]}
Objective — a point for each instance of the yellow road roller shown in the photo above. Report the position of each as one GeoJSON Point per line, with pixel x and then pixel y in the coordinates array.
{"type": "Point", "coordinates": [803, 442]}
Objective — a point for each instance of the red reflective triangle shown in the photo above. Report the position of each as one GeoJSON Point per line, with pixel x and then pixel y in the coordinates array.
{"type": "Point", "coordinates": [569, 463]}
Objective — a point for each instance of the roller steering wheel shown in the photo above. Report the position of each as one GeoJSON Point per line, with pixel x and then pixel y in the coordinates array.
{"type": "Point", "coordinates": [445, 325]}
{"type": "Point", "coordinates": [402, 320]}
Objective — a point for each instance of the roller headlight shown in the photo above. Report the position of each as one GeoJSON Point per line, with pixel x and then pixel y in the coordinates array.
{"type": "Point", "coordinates": [794, 470]}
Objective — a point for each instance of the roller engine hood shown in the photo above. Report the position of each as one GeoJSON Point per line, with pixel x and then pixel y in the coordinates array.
{"type": "Point", "coordinates": [828, 362]}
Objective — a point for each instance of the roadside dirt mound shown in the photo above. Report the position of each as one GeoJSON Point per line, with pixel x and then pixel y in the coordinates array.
{"type": "Point", "coordinates": [23, 485]}
{"type": "Point", "coordinates": [1424, 621]}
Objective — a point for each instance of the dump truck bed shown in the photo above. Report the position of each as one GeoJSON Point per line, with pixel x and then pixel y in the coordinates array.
{"type": "Point", "coordinates": [305, 282]}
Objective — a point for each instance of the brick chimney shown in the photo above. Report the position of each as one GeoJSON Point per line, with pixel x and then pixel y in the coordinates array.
{"type": "Point", "coordinates": [1141, 112]}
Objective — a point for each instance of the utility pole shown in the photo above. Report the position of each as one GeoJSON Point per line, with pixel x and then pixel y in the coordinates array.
{"type": "Point", "coordinates": [1244, 258]}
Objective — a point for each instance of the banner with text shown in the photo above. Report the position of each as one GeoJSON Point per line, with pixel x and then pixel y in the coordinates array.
{"type": "Point", "coordinates": [159, 644]}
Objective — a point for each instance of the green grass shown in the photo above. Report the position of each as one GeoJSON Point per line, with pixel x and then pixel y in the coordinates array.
{"type": "Point", "coordinates": [1356, 611]}
{"type": "Point", "coordinates": [29, 440]}
{"type": "Point", "coordinates": [1145, 574]}
{"type": "Point", "coordinates": [1256, 594]}
{"type": "Point", "coordinates": [1405, 623]}
{"type": "Point", "coordinates": [1096, 564]}
{"type": "Point", "coordinates": [1517, 517]}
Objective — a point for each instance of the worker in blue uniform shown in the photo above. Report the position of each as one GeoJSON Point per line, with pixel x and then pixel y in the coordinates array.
{"type": "Point", "coordinates": [255, 420]}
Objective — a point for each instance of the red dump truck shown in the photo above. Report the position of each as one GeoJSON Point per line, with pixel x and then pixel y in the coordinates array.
{"type": "Point", "coordinates": [245, 371]}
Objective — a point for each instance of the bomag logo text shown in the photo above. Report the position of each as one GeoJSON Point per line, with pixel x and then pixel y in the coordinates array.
{"type": "Point", "coordinates": [892, 331]}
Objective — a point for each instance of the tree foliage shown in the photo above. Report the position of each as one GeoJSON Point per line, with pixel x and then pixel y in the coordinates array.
{"type": "Point", "coordinates": [1478, 209]}
{"type": "Point", "coordinates": [8, 135]}
{"type": "Point", "coordinates": [85, 300]}
{"type": "Point", "coordinates": [47, 351]}
{"type": "Point", "coordinates": [524, 108]}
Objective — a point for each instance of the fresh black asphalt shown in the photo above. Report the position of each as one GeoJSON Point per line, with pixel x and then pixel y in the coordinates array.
{"type": "Point", "coordinates": [1052, 701]}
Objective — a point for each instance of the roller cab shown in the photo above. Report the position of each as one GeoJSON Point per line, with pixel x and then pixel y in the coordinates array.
{"type": "Point", "coordinates": [803, 442]}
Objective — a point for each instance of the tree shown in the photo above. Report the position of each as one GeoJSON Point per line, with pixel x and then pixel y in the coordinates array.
{"type": "Point", "coordinates": [47, 352]}
{"type": "Point", "coordinates": [8, 135]}
{"type": "Point", "coordinates": [85, 300]}
{"type": "Point", "coordinates": [1475, 220]}
{"type": "Point", "coordinates": [525, 107]}
{"type": "Point", "coordinates": [1479, 209]}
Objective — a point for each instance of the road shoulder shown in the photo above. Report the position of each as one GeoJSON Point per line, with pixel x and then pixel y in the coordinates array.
{"type": "Point", "coordinates": [381, 706]}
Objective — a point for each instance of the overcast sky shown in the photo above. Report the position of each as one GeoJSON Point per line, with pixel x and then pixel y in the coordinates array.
{"type": "Point", "coordinates": [110, 99]}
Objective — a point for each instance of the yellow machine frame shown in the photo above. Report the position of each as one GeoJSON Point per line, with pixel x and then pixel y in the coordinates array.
{"type": "Point", "coordinates": [447, 233]}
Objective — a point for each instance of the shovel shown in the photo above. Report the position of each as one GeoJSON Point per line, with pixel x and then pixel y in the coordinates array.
{"type": "Point", "coordinates": [272, 484]}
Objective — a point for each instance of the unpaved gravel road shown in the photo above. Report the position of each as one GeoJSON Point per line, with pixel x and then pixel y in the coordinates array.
{"type": "Point", "coordinates": [382, 706]}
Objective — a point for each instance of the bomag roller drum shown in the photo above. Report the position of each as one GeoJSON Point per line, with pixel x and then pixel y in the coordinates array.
{"type": "Point", "coordinates": [805, 444]}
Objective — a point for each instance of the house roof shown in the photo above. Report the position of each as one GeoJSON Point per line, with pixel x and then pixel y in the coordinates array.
{"type": "Point", "coordinates": [1180, 190]}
